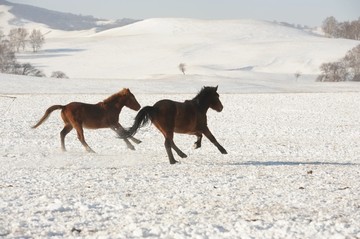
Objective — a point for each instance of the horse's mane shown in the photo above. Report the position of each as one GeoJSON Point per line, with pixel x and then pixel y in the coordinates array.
{"type": "Point", "coordinates": [205, 91]}
{"type": "Point", "coordinates": [115, 96]}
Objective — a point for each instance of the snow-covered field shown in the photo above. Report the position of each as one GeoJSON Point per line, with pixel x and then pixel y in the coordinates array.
{"type": "Point", "coordinates": [292, 170]}
{"type": "Point", "coordinates": [293, 163]}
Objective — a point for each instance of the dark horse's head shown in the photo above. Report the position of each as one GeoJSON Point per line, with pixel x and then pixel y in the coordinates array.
{"type": "Point", "coordinates": [208, 97]}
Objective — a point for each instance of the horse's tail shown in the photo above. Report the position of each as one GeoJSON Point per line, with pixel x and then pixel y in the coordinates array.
{"type": "Point", "coordinates": [141, 119]}
{"type": "Point", "coordinates": [47, 113]}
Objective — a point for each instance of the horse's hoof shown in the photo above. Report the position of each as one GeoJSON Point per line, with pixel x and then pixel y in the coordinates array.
{"type": "Point", "coordinates": [224, 152]}
{"type": "Point", "coordinates": [137, 141]}
{"type": "Point", "coordinates": [89, 150]}
{"type": "Point", "coordinates": [174, 162]}
{"type": "Point", "coordinates": [183, 155]}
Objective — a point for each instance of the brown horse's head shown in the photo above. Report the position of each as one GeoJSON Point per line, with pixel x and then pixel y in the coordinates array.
{"type": "Point", "coordinates": [131, 101]}
{"type": "Point", "coordinates": [209, 98]}
{"type": "Point", "coordinates": [121, 99]}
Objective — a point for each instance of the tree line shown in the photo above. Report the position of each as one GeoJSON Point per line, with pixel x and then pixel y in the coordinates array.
{"type": "Point", "coordinates": [348, 29]}
{"type": "Point", "coordinates": [19, 38]}
{"type": "Point", "coordinates": [346, 69]}
{"type": "Point", "coordinates": [16, 41]}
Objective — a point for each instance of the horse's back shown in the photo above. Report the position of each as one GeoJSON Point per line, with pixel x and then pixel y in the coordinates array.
{"type": "Point", "coordinates": [90, 115]}
{"type": "Point", "coordinates": [179, 116]}
{"type": "Point", "coordinates": [82, 107]}
{"type": "Point", "coordinates": [170, 107]}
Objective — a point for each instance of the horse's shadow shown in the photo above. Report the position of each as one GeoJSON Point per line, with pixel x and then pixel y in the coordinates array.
{"type": "Point", "coordinates": [290, 163]}
{"type": "Point", "coordinates": [51, 53]}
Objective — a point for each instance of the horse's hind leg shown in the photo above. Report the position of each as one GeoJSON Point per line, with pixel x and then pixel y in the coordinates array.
{"type": "Point", "coordinates": [135, 140]}
{"type": "Point", "coordinates": [170, 138]}
{"type": "Point", "coordinates": [211, 137]}
{"type": "Point", "coordinates": [169, 152]}
{"type": "Point", "coordinates": [120, 130]}
{"type": "Point", "coordinates": [80, 133]}
{"type": "Point", "coordinates": [177, 150]}
{"type": "Point", "coordinates": [129, 145]}
{"type": "Point", "coordinates": [197, 144]}
{"type": "Point", "coordinates": [67, 128]}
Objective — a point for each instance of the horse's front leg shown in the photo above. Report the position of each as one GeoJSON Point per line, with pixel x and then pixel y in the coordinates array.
{"type": "Point", "coordinates": [211, 137]}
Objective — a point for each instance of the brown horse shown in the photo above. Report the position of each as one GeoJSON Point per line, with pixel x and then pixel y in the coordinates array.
{"type": "Point", "coordinates": [188, 117]}
{"type": "Point", "coordinates": [104, 114]}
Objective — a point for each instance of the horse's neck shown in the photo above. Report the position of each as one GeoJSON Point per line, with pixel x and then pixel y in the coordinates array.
{"type": "Point", "coordinates": [114, 105]}
{"type": "Point", "coordinates": [203, 107]}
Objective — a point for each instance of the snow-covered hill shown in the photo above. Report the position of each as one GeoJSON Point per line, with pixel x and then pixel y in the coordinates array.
{"type": "Point", "coordinates": [22, 14]}
{"type": "Point", "coordinates": [155, 47]}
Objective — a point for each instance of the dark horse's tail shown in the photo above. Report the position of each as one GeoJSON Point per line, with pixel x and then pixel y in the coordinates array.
{"type": "Point", "coordinates": [47, 113]}
{"type": "Point", "coordinates": [141, 119]}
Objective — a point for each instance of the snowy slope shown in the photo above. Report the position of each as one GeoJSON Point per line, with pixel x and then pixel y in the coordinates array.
{"type": "Point", "coordinates": [22, 14]}
{"type": "Point", "coordinates": [155, 47]}
{"type": "Point", "coordinates": [9, 21]}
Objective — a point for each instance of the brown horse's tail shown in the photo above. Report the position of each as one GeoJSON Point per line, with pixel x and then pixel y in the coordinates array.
{"type": "Point", "coordinates": [141, 119]}
{"type": "Point", "coordinates": [47, 113]}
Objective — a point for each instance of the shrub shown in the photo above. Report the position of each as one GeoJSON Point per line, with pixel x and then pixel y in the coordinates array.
{"type": "Point", "coordinates": [346, 69]}
{"type": "Point", "coordinates": [59, 74]}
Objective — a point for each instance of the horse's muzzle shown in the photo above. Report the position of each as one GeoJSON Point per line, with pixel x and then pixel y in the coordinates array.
{"type": "Point", "coordinates": [219, 107]}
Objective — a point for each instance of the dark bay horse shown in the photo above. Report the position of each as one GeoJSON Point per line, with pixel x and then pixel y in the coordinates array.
{"type": "Point", "coordinates": [104, 114]}
{"type": "Point", "coordinates": [188, 117]}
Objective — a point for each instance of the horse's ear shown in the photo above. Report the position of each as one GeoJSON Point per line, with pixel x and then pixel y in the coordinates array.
{"type": "Point", "coordinates": [216, 88]}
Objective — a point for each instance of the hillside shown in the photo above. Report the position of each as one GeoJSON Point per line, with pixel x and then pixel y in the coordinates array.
{"type": "Point", "coordinates": [155, 47]}
{"type": "Point", "coordinates": [23, 14]}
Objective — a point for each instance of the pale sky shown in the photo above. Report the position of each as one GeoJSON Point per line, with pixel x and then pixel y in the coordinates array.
{"type": "Point", "coordinates": [304, 12]}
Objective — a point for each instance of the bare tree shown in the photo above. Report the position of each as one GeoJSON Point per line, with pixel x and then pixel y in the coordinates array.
{"type": "Point", "coordinates": [182, 67]}
{"type": "Point", "coordinates": [349, 30]}
{"type": "Point", "coordinates": [1, 35]}
{"type": "Point", "coordinates": [330, 26]}
{"type": "Point", "coordinates": [9, 64]}
{"type": "Point", "coordinates": [17, 38]}
{"type": "Point", "coordinates": [333, 72]}
{"type": "Point", "coordinates": [355, 29]}
{"type": "Point", "coordinates": [7, 57]}
{"type": "Point", "coordinates": [347, 68]}
{"type": "Point", "coordinates": [297, 75]}
{"type": "Point", "coordinates": [36, 40]}
{"type": "Point", "coordinates": [352, 62]}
